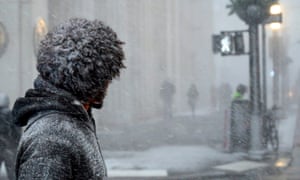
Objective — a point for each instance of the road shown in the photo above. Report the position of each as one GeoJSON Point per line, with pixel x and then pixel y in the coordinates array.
{"type": "Point", "coordinates": [287, 152]}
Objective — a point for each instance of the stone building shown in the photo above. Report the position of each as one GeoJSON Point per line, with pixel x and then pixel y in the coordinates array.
{"type": "Point", "coordinates": [165, 40]}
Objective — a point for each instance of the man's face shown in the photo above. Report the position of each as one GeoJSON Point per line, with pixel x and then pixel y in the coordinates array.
{"type": "Point", "coordinates": [97, 102]}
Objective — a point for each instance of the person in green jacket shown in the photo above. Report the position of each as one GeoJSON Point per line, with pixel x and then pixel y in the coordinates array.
{"type": "Point", "coordinates": [240, 92]}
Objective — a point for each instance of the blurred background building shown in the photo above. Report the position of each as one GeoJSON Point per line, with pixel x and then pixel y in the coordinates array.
{"type": "Point", "coordinates": [165, 40]}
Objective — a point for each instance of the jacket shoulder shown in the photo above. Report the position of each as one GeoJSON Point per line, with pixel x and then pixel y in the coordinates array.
{"type": "Point", "coordinates": [49, 126]}
{"type": "Point", "coordinates": [45, 147]}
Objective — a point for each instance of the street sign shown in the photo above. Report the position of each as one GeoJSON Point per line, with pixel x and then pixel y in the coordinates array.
{"type": "Point", "coordinates": [229, 43]}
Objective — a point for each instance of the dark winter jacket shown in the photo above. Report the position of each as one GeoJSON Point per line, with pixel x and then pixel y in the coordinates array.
{"type": "Point", "coordinates": [59, 141]}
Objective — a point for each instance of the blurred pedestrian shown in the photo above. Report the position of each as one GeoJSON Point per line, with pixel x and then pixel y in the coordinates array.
{"type": "Point", "coordinates": [76, 62]}
{"type": "Point", "coordinates": [167, 92]}
{"type": "Point", "coordinates": [9, 136]}
{"type": "Point", "coordinates": [193, 96]}
{"type": "Point", "coordinates": [240, 92]}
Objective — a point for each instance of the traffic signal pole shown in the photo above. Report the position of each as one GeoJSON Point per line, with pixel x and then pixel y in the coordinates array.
{"type": "Point", "coordinates": [276, 56]}
{"type": "Point", "coordinates": [256, 151]}
{"type": "Point", "coordinates": [253, 13]}
{"type": "Point", "coordinates": [264, 69]}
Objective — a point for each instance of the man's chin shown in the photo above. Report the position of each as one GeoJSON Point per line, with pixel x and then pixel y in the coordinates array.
{"type": "Point", "coordinates": [97, 105]}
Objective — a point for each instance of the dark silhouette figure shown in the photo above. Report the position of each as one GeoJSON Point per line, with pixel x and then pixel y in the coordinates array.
{"type": "Point", "coordinates": [240, 92]}
{"type": "Point", "coordinates": [193, 96]}
{"type": "Point", "coordinates": [167, 92]}
{"type": "Point", "coordinates": [9, 136]}
{"type": "Point", "coordinates": [76, 62]}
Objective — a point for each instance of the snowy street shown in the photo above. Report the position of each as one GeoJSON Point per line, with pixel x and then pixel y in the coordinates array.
{"type": "Point", "coordinates": [199, 157]}
{"type": "Point", "coordinates": [184, 145]}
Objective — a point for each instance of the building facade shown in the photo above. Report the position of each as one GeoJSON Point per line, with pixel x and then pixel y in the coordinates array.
{"type": "Point", "coordinates": [165, 40]}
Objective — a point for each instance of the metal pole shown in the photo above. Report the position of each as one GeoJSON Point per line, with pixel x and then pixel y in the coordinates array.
{"type": "Point", "coordinates": [264, 69]}
{"type": "Point", "coordinates": [276, 57]}
{"type": "Point", "coordinates": [256, 122]}
{"type": "Point", "coordinates": [254, 69]}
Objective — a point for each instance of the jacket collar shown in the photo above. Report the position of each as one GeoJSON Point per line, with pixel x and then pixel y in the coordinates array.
{"type": "Point", "coordinates": [45, 98]}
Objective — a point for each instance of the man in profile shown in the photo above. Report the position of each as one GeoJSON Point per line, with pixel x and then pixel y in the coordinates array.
{"type": "Point", "coordinates": [76, 63]}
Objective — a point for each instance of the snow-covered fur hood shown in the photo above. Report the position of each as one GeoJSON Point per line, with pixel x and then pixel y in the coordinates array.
{"type": "Point", "coordinates": [80, 56]}
{"type": "Point", "coordinates": [45, 97]}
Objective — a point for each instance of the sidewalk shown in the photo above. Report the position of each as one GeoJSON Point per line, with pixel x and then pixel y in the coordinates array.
{"type": "Point", "coordinates": [182, 145]}
{"type": "Point", "coordinates": [173, 160]}
{"type": "Point", "coordinates": [283, 166]}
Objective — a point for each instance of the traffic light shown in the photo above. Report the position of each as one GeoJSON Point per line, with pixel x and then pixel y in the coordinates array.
{"type": "Point", "coordinates": [229, 43]}
{"type": "Point", "coordinates": [239, 43]}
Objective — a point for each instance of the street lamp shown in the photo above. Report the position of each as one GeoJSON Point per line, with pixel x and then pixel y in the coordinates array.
{"type": "Point", "coordinates": [274, 20]}
{"type": "Point", "coordinates": [275, 9]}
{"type": "Point", "coordinates": [275, 26]}
{"type": "Point", "coordinates": [275, 12]}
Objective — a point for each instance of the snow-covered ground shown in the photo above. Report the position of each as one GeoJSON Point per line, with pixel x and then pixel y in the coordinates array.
{"type": "Point", "coordinates": [169, 158]}
{"type": "Point", "coordinates": [198, 112]}
{"type": "Point", "coordinates": [182, 145]}
{"type": "Point", "coordinates": [205, 129]}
